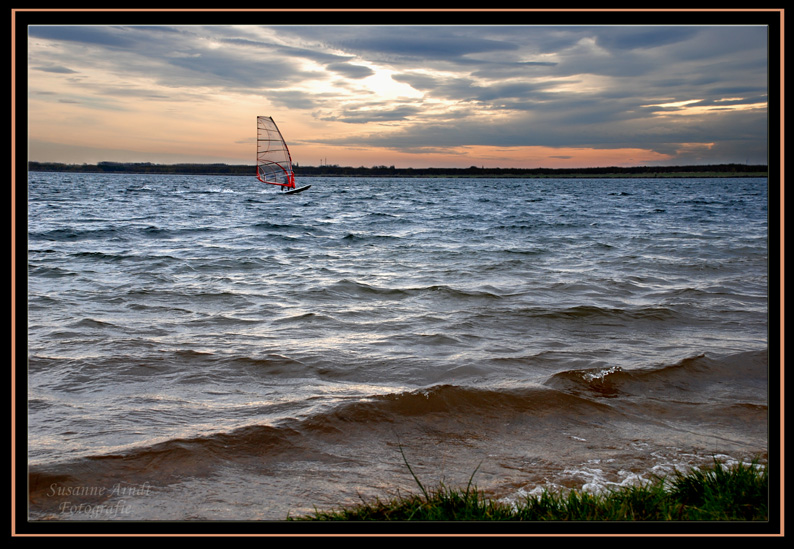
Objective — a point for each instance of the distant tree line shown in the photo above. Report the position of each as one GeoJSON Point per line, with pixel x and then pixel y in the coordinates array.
{"type": "Point", "coordinates": [143, 167]}
{"type": "Point", "coordinates": [735, 170]}
{"type": "Point", "coordinates": [474, 171]}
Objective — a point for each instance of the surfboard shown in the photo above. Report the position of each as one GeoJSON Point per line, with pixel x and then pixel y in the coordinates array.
{"type": "Point", "coordinates": [299, 189]}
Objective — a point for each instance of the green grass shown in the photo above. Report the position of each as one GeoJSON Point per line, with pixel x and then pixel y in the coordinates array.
{"type": "Point", "coordinates": [737, 493]}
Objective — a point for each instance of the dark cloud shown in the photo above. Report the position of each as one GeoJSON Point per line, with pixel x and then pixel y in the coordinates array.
{"type": "Point", "coordinates": [350, 70]}
{"type": "Point", "coordinates": [579, 126]}
{"type": "Point", "coordinates": [220, 68]}
{"type": "Point", "coordinates": [293, 100]}
{"type": "Point", "coordinates": [57, 70]}
{"type": "Point", "coordinates": [623, 39]}
{"type": "Point", "coordinates": [373, 113]}
{"type": "Point", "coordinates": [116, 37]}
{"type": "Point", "coordinates": [406, 43]}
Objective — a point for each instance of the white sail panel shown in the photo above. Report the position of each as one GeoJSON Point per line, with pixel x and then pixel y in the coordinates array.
{"type": "Point", "coordinates": [273, 161]}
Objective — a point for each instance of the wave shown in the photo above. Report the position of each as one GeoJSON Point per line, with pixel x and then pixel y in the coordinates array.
{"type": "Point", "coordinates": [304, 319]}
{"type": "Point", "coordinates": [739, 377]}
{"type": "Point", "coordinates": [75, 234]}
{"type": "Point", "coordinates": [592, 312]}
{"type": "Point", "coordinates": [351, 288]}
{"type": "Point", "coordinates": [49, 271]}
{"type": "Point", "coordinates": [71, 234]}
{"type": "Point", "coordinates": [368, 237]}
{"type": "Point", "coordinates": [433, 405]}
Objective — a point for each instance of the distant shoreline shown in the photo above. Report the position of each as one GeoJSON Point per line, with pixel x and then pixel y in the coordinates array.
{"type": "Point", "coordinates": [717, 170]}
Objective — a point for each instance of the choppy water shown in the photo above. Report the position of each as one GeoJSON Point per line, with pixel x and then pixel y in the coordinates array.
{"type": "Point", "coordinates": [201, 348]}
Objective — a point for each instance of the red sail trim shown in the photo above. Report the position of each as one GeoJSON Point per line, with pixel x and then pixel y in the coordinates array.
{"type": "Point", "coordinates": [289, 185]}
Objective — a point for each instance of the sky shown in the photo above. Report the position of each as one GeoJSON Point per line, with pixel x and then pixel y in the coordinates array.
{"type": "Point", "coordinates": [509, 95]}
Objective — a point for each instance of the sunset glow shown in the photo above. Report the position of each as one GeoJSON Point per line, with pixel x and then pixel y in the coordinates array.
{"type": "Point", "coordinates": [451, 96]}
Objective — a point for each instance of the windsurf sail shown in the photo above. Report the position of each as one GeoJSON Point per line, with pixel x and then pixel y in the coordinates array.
{"type": "Point", "coordinates": [273, 161]}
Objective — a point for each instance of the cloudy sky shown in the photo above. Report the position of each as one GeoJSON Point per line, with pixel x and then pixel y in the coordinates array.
{"type": "Point", "coordinates": [408, 96]}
